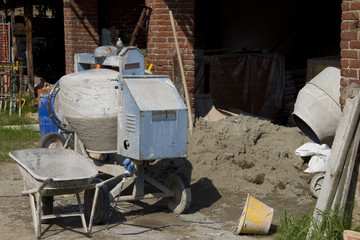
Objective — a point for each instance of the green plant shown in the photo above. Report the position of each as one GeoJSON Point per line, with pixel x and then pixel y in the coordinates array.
{"type": "Point", "coordinates": [297, 227]}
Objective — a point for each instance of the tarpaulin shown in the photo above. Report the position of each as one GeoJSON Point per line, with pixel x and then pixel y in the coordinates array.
{"type": "Point", "coordinates": [252, 82]}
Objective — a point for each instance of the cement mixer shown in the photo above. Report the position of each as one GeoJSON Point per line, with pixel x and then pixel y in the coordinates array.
{"type": "Point", "coordinates": [123, 111]}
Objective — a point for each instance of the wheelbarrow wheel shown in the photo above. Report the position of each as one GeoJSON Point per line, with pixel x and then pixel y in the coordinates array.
{"type": "Point", "coordinates": [52, 140]}
{"type": "Point", "coordinates": [102, 208]}
{"type": "Point", "coordinates": [316, 184]}
{"type": "Point", "coordinates": [181, 200]}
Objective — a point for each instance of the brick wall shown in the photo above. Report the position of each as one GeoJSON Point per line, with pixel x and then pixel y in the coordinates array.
{"type": "Point", "coordinates": [350, 70]}
{"type": "Point", "coordinates": [81, 29]}
{"type": "Point", "coordinates": [161, 44]}
{"type": "Point", "coordinates": [81, 24]}
{"type": "Point", "coordinates": [123, 15]}
{"type": "Point", "coordinates": [350, 46]}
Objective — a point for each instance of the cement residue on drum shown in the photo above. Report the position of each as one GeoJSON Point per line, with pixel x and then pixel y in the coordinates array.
{"type": "Point", "coordinates": [97, 134]}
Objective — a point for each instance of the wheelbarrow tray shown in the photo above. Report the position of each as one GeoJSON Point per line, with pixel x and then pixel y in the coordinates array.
{"type": "Point", "coordinates": [70, 172]}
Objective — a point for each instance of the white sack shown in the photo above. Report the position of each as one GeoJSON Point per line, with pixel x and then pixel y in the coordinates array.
{"type": "Point", "coordinates": [320, 156]}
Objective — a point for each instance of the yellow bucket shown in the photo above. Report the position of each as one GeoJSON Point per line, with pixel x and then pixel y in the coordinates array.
{"type": "Point", "coordinates": [256, 217]}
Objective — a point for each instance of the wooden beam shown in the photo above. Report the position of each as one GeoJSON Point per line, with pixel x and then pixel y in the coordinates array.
{"type": "Point", "coordinates": [341, 147]}
{"type": "Point", "coordinates": [182, 73]}
{"type": "Point", "coordinates": [29, 52]}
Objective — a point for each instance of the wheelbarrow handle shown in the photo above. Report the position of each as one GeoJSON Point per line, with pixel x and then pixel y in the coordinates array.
{"type": "Point", "coordinates": [41, 187]}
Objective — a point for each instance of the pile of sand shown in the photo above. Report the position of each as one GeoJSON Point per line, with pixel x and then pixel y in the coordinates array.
{"type": "Point", "coordinates": [243, 154]}
{"type": "Point", "coordinates": [247, 154]}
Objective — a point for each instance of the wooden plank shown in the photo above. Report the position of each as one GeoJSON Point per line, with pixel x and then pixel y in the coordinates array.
{"type": "Point", "coordinates": [345, 181]}
{"type": "Point", "coordinates": [182, 73]}
{"type": "Point", "coordinates": [343, 139]}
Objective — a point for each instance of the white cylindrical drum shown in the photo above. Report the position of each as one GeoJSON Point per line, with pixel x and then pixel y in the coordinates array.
{"type": "Point", "coordinates": [317, 110]}
{"type": "Point", "coordinates": [89, 104]}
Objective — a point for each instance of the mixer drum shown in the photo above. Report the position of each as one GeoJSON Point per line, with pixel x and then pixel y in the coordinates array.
{"type": "Point", "coordinates": [89, 104]}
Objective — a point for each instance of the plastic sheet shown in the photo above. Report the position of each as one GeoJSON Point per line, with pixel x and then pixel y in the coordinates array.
{"type": "Point", "coordinates": [252, 82]}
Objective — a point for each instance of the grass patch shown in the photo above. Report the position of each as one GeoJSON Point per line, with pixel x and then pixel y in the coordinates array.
{"type": "Point", "coordinates": [15, 139]}
{"type": "Point", "coordinates": [297, 227]}
{"type": "Point", "coordinates": [12, 139]}
{"type": "Point", "coordinates": [14, 119]}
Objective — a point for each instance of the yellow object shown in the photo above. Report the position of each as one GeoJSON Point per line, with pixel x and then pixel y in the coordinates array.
{"type": "Point", "coordinates": [23, 102]}
{"type": "Point", "coordinates": [14, 68]}
{"type": "Point", "coordinates": [150, 67]}
{"type": "Point", "coordinates": [256, 217]}
{"type": "Point", "coordinates": [33, 117]}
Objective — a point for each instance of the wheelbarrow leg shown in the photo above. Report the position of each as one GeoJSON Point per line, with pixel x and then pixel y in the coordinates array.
{"type": "Point", "coordinates": [36, 213]}
{"type": "Point", "coordinates": [35, 202]}
{"type": "Point", "coordinates": [81, 212]}
{"type": "Point", "coordinates": [92, 209]}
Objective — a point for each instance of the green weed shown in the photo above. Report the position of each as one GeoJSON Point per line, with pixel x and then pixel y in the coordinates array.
{"type": "Point", "coordinates": [297, 227]}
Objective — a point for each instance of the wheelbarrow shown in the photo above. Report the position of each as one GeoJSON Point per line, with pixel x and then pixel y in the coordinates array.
{"type": "Point", "coordinates": [48, 172]}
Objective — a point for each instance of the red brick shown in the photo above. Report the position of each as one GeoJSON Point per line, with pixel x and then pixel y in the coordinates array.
{"type": "Point", "coordinates": [355, 5]}
{"type": "Point", "coordinates": [350, 73]}
{"type": "Point", "coordinates": [349, 53]}
{"type": "Point", "coordinates": [353, 15]}
{"type": "Point", "coordinates": [355, 44]}
{"type": "Point", "coordinates": [344, 82]}
{"type": "Point", "coordinates": [354, 63]}
{"type": "Point", "coordinates": [344, 44]}
{"type": "Point", "coordinates": [349, 35]}
{"type": "Point", "coordinates": [345, 6]}
{"type": "Point", "coordinates": [344, 63]}
{"type": "Point", "coordinates": [158, 5]}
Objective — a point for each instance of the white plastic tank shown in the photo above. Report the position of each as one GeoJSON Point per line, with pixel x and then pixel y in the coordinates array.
{"type": "Point", "coordinates": [89, 104]}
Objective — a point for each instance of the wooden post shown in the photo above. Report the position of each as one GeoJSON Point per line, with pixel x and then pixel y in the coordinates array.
{"type": "Point", "coordinates": [29, 52]}
{"type": "Point", "coordinates": [20, 87]}
{"type": "Point", "coordinates": [182, 73]}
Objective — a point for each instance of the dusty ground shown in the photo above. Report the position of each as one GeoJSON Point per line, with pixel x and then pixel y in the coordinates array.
{"type": "Point", "coordinates": [226, 161]}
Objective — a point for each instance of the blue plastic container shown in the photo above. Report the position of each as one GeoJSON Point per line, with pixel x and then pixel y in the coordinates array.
{"type": "Point", "coordinates": [45, 122]}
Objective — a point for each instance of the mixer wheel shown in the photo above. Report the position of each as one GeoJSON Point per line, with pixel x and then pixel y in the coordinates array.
{"type": "Point", "coordinates": [316, 184]}
{"type": "Point", "coordinates": [180, 202]}
{"type": "Point", "coordinates": [52, 140]}
{"type": "Point", "coordinates": [102, 208]}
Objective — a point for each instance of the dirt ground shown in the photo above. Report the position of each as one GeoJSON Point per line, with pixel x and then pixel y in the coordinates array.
{"type": "Point", "coordinates": [227, 160]}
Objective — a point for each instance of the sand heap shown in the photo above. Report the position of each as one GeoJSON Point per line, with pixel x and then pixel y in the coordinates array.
{"type": "Point", "coordinates": [247, 154]}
